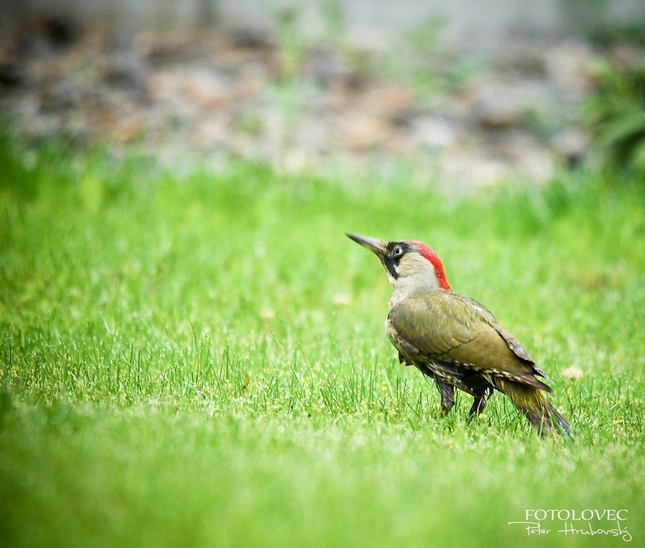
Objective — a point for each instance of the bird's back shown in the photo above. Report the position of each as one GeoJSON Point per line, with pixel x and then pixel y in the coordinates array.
{"type": "Point", "coordinates": [444, 327]}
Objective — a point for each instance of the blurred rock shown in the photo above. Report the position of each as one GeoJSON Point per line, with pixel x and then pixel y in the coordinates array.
{"type": "Point", "coordinates": [252, 38]}
{"type": "Point", "coordinates": [10, 75]}
{"type": "Point", "coordinates": [207, 88]}
{"type": "Point", "coordinates": [325, 68]}
{"type": "Point", "coordinates": [164, 85]}
{"type": "Point", "coordinates": [212, 131]}
{"type": "Point", "coordinates": [434, 132]}
{"type": "Point", "coordinates": [461, 170]}
{"type": "Point", "coordinates": [313, 134]}
{"type": "Point", "coordinates": [567, 65]}
{"type": "Point", "coordinates": [204, 87]}
{"type": "Point", "coordinates": [359, 131]}
{"type": "Point", "coordinates": [626, 55]}
{"type": "Point", "coordinates": [522, 57]}
{"type": "Point", "coordinates": [571, 145]}
{"type": "Point", "coordinates": [499, 104]}
{"type": "Point", "coordinates": [528, 156]}
{"type": "Point", "coordinates": [171, 48]}
{"type": "Point", "coordinates": [58, 31]}
{"type": "Point", "coordinates": [124, 69]}
{"type": "Point", "coordinates": [252, 78]}
{"type": "Point", "coordinates": [393, 102]}
{"type": "Point", "coordinates": [59, 96]}
{"type": "Point", "coordinates": [218, 94]}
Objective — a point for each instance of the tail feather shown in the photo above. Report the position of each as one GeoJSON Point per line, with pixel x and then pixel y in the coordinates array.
{"type": "Point", "coordinates": [532, 403]}
{"type": "Point", "coordinates": [564, 425]}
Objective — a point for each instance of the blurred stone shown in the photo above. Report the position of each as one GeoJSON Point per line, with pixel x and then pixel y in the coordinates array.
{"type": "Point", "coordinates": [627, 55]}
{"type": "Point", "coordinates": [210, 132]}
{"type": "Point", "coordinates": [221, 94]}
{"type": "Point", "coordinates": [59, 31]}
{"type": "Point", "coordinates": [324, 105]}
{"type": "Point", "coordinates": [252, 38]}
{"type": "Point", "coordinates": [359, 131]}
{"type": "Point", "coordinates": [571, 145]}
{"type": "Point", "coordinates": [313, 134]}
{"type": "Point", "coordinates": [368, 39]}
{"type": "Point", "coordinates": [463, 169]}
{"type": "Point", "coordinates": [124, 69]}
{"type": "Point", "coordinates": [59, 95]}
{"type": "Point", "coordinates": [207, 88]}
{"type": "Point", "coordinates": [521, 58]}
{"type": "Point", "coordinates": [10, 75]}
{"type": "Point", "coordinates": [399, 143]}
{"type": "Point", "coordinates": [499, 104]}
{"type": "Point", "coordinates": [434, 133]}
{"type": "Point", "coordinates": [567, 65]}
{"type": "Point", "coordinates": [339, 76]}
{"type": "Point", "coordinates": [167, 49]}
{"type": "Point", "coordinates": [10, 42]}
{"type": "Point", "coordinates": [129, 128]}
{"type": "Point", "coordinates": [164, 85]}
{"type": "Point", "coordinates": [252, 78]}
{"type": "Point", "coordinates": [204, 87]}
{"type": "Point", "coordinates": [392, 102]}
{"type": "Point", "coordinates": [525, 154]}
{"type": "Point", "coordinates": [325, 68]}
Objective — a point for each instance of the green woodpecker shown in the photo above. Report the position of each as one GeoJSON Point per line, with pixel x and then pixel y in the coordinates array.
{"type": "Point", "coordinates": [454, 339]}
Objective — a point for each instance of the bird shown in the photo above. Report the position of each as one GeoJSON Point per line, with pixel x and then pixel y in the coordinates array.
{"type": "Point", "coordinates": [456, 340]}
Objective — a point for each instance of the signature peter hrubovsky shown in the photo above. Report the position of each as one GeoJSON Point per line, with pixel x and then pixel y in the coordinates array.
{"type": "Point", "coordinates": [577, 524]}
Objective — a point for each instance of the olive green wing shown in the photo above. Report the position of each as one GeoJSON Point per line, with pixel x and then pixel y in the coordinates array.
{"type": "Point", "coordinates": [445, 327]}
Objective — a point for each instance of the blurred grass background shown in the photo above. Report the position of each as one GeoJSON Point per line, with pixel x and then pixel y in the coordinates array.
{"type": "Point", "coordinates": [201, 360]}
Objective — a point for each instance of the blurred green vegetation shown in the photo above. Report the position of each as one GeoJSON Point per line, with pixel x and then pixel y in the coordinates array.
{"type": "Point", "coordinates": [615, 112]}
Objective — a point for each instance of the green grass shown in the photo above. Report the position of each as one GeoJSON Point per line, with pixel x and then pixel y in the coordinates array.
{"type": "Point", "coordinates": [201, 361]}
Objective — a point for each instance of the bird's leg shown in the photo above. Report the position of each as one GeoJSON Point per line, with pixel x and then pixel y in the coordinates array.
{"type": "Point", "coordinates": [447, 396]}
{"type": "Point", "coordinates": [480, 401]}
{"type": "Point", "coordinates": [479, 404]}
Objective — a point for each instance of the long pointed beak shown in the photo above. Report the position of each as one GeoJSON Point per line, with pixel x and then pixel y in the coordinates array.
{"type": "Point", "coordinates": [377, 246]}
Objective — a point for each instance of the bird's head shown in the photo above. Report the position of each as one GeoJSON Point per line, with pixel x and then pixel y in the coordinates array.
{"type": "Point", "coordinates": [412, 267]}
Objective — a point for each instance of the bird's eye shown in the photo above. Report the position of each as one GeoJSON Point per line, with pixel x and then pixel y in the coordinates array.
{"type": "Point", "coordinates": [397, 251]}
